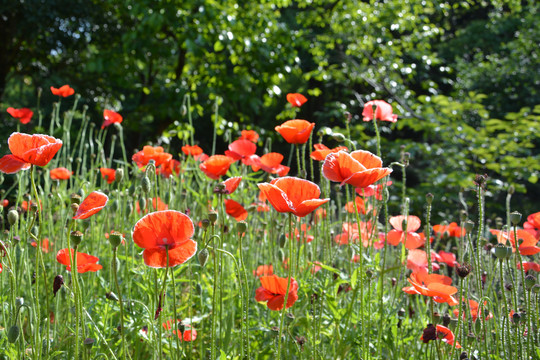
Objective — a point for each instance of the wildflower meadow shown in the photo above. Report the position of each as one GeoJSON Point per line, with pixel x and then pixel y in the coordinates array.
{"type": "Point", "coordinates": [280, 180]}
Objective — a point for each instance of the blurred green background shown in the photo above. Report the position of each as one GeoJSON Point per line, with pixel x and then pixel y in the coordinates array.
{"type": "Point", "coordinates": [463, 76]}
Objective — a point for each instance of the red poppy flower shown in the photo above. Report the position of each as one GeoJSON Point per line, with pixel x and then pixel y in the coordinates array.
{"type": "Point", "coordinates": [322, 151]}
{"type": "Point", "coordinates": [157, 205]}
{"type": "Point", "coordinates": [529, 266]}
{"type": "Point", "coordinates": [372, 190]}
{"type": "Point", "coordinates": [189, 333]}
{"type": "Point", "coordinates": [435, 286]}
{"type": "Point", "coordinates": [448, 258]}
{"type": "Point", "coordinates": [29, 149]}
{"type": "Point", "coordinates": [24, 114]}
{"type": "Point", "coordinates": [165, 231]}
{"type": "Point", "coordinates": [216, 166]}
{"type": "Point", "coordinates": [359, 168]}
{"type": "Point", "coordinates": [151, 153]}
{"type": "Point", "coordinates": [532, 224]}
{"type": "Point", "coordinates": [4, 202]}
{"type": "Point", "coordinates": [271, 163]}
{"type": "Point", "coordinates": [383, 111]}
{"type": "Point", "coordinates": [302, 235]}
{"type": "Point", "coordinates": [273, 290]}
{"type": "Point", "coordinates": [250, 135]}
{"type": "Point", "coordinates": [296, 99]}
{"type": "Point", "coordinates": [91, 205]}
{"type": "Point", "coordinates": [60, 173]}
{"type": "Point", "coordinates": [295, 131]}
{"type": "Point", "coordinates": [293, 195]}
{"type": "Point", "coordinates": [234, 209]}
{"type": "Point", "coordinates": [108, 174]}
{"type": "Point", "coordinates": [451, 229]}
{"type": "Point", "coordinates": [231, 184]}
{"type": "Point", "coordinates": [263, 270]}
{"type": "Point", "coordinates": [45, 243]}
{"type": "Point", "coordinates": [417, 260]}
{"type": "Point", "coordinates": [63, 91]}
{"type": "Point", "coordinates": [445, 334]}
{"type": "Point", "coordinates": [241, 150]}
{"type": "Point", "coordinates": [192, 150]}
{"type": "Point", "coordinates": [409, 236]}
{"type": "Point", "coordinates": [110, 117]}
{"type": "Point", "coordinates": [25, 204]}
{"type": "Point", "coordinates": [85, 262]}
{"type": "Point", "coordinates": [474, 309]}
{"type": "Point", "coordinates": [169, 168]}
{"type": "Point", "coordinates": [360, 206]}
{"type": "Point", "coordinates": [526, 240]}
{"type": "Point", "coordinates": [350, 233]}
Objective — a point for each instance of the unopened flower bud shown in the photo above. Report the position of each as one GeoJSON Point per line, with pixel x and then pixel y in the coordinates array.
{"type": "Point", "coordinates": [338, 137]}
{"type": "Point", "coordinates": [203, 256]}
{"type": "Point", "coordinates": [81, 193]}
{"type": "Point", "coordinates": [469, 225]}
{"type": "Point", "coordinates": [13, 217]}
{"type": "Point", "coordinates": [281, 255]}
{"type": "Point", "coordinates": [111, 296]}
{"type": "Point", "coordinates": [19, 301]}
{"type": "Point", "coordinates": [429, 198]}
{"type": "Point", "coordinates": [146, 185]}
{"type": "Point", "coordinates": [142, 203]}
{"type": "Point", "coordinates": [282, 240]}
{"type": "Point", "coordinates": [76, 237]}
{"type": "Point", "coordinates": [511, 189]}
{"type": "Point", "coordinates": [515, 218]}
{"type": "Point", "coordinates": [13, 334]}
{"type": "Point", "coordinates": [119, 175]}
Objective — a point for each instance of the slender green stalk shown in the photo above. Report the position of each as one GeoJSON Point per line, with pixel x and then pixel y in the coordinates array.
{"type": "Point", "coordinates": [289, 281]}
{"type": "Point", "coordinates": [121, 303]}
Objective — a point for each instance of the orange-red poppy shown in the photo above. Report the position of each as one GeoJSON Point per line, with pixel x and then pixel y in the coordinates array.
{"type": "Point", "coordinates": [360, 206]}
{"type": "Point", "coordinates": [296, 99]}
{"type": "Point", "coordinates": [408, 236]}
{"type": "Point", "coordinates": [157, 205]}
{"type": "Point", "coordinates": [532, 224]}
{"type": "Point", "coordinates": [293, 195]}
{"type": "Point", "coordinates": [241, 150]}
{"type": "Point", "coordinates": [321, 151]}
{"type": "Point", "coordinates": [250, 135]}
{"type": "Point", "coordinates": [92, 204]}
{"type": "Point", "coordinates": [417, 260]}
{"type": "Point", "coordinates": [273, 290]}
{"type": "Point", "coordinates": [108, 174]}
{"type": "Point", "coordinates": [526, 240]}
{"type": "Point", "coordinates": [302, 235]}
{"type": "Point", "coordinates": [60, 173]}
{"type": "Point", "coordinates": [27, 149]}
{"type": "Point", "coordinates": [447, 257]}
{"type": "Point", "coordinates": [169, 168]}
{"type": "Point", "coordinates": [295, 131]}
{"type": "Point", "coordinates": [474, 310]}
{"type": "Point", "coordinates": [452, 229]}
{"type": "Point", "coordinates": [231, 184]}
{"type": "Point", "coordinates": [529, 266]}
{"type": "Point", "coordinates": [236, 210]}
{"type": "Point", "coordinates": [111, 117]}
{"type": "Point", "coordinates": [85, 262]}
{"type": "Point", "coordinates": [25, 205]}
{"type": "Point", "coordinates": [45, 243]}
{"type": "Point", "coordinates": [151, 153]}
{"type": "Point", "coordinates": [383, 111]}
{"type": "Point", "coordinates": [372, 190]}
{"type": "Point", "coordinates": [359, 168]}
{"type": "Point", "coordinates": [216, 166]}
{"type": "Point", "coordinates": [263, 270]}
{"type": "Point", "coordinates": [445, 334]}
{"type": "Point", "coordinates": [165, 231]}
{"type": "Point", "coordinates": [350, 233]}
{"type": "Point", "coordinates": [270, 163]}
{"type": "Point", "coordinates": [23, 114]}
{"type": "Point", "coordinates": [192, 150]}
{"type": "Point", "coordinates": [435, 286]}
{"type": "Point", "coordinates": [63, 91]}
{"type": "Point", "coordinates": [189, 333]}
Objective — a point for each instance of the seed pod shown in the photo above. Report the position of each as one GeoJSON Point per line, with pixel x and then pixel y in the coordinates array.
{"type": "Point", "coordinates": [88, 343]}
{"type": "Point", "coordinates": [212, 216]}
{"type": "Point", "coordinates": [115, 238]}
{"type": "Point", "coordinates": [530, 281]}
{"type": "Point", "coordinates": [515, 217]}
{"type": "Point", "coordinates": [429, 198]}
{"type": "Point", "coordinates": [241, 227]}
{"type": "Point", "coordinates": [205, 223]}
{"type": "Point", "coordinates": [76, 237]}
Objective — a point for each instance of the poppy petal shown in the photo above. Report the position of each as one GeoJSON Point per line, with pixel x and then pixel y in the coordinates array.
{"type": "Point", "coordinates": [91, 205]}
{"type": "Point", "coordinates": [367, 159]}
{"type": "Point", "coordinates": [161, 228]}
{"type": "Point", "coordinates": [178, 254]}
{"type": "Point", "coordinates": [10, 164]}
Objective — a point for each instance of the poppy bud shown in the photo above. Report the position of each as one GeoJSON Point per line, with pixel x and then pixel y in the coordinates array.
{"type": "Point", "coordinates": [406, 157]}
{"type": "Point", "coordinates": [57, 284]}
{"type": "Point", "coordinates": [13, 217]}
{"type": "Point", "coordinates": [142, 203]}
{"type": "Point", "coordinates": [310, 255]}
{"type": "Point", "coordinates": [115, 238]}
{"type": "Point", "coordinates": [146, 185]}
{"type": "Point", "coordinates": [535, 289]}
{"type": "Point", "coordinates": [502, 251]}
{"type": "Point", "coordinates": [369, 274]}
{"type": "Point", "coordinates": [203, 256]}
{"type": "Point", "coordinates": [74, 207]}
{"type": "Point", "coordinates": [76, 237]}
{"type": "Point", "coordinates": [131, 190]}
{"type": "Point", "coordinates": [199, 289]}
{"type": "Point", "coordinates": [19, 301]}
{"type": "Point", "coordinates": [212, 216]}
{"type": "Point", "coordinates": [282, 240]}
{"type": "Point", "coordinates": [515, 218]}
{"type": "Point", "coordinates": [34, 231]}
{"type": "Point", "coordinates": [81, 193]}
{"type": "Point", "coordinates": [111, 296]}
{"type": "Point", "coordinates": [33, 207]}
{"type": "Point", "coordinates": [469, 225]}
{"type": "Point", "coordinates": [115, 206]}
{"type": "Point", "coordinates": [463, 215]}
{"type": "Point", "coordinates": [88, 343]}
{"type": "Point", "coordinates": [119, 175]}
{"type": "Point", "coordinates": [338, 137]}
{"type": "Point", "coordinates": [281, 255]}
{"type": "Point", "coordinates": [13, 333]}
{"type": "Point", "coordinates": [530, 281]}
{"type": "Point", "coordinates": [516, 318]}
{"type": "Point", "coordinates": [241, 227]}
{"type": "Point", "coordinates": [429, 198]}
{"type": "Point", "coordinates": [75, 199]}
{"type": "Point", "coordinates": [183, 110]}
{"type": "Point", "coordinates": [129, 208]}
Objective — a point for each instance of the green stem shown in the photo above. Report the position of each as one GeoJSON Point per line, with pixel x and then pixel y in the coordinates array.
{"type": "Point", "coordinates": [289, 281]}
{"type": "Point", "coordinates": [121, 303]}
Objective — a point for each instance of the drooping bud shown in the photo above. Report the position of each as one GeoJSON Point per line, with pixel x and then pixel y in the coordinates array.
{"type": "Point", "coordinates": [203, 256]}
{"type": "Point", "coordinates": [111, 296]}
{"type": "Point", "coordinates": [57, 284]}
{"type": "Point", "coordinates": [13, 334]}
{"type": "Point", "coordinates": [338, 137]}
